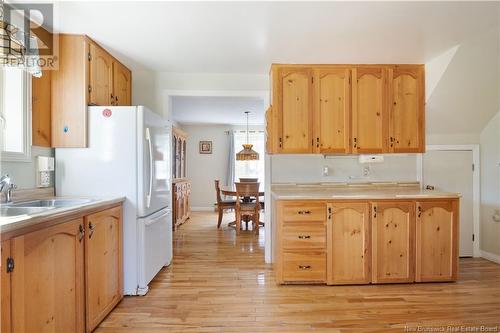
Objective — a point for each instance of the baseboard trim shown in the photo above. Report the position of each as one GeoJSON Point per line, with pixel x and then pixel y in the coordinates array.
{"type": "Point", "coordinates": [490, 256]}
{"type": "Point", "coordinates": [202, 209]}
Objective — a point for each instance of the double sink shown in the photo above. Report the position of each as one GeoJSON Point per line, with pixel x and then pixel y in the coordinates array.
{"type": "Point", "coordinates": [34, 207]}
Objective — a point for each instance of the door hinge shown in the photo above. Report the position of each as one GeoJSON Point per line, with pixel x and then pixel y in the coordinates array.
{"type": "Point", "coordinates": [10, 264]}
{"type": "Point", "coordinates": [472, 237]}
{"type": "Point", "coordinates": [89, 56]}
{"type": "Point", "coordinates": [312, 79]}
{"type": "Point", "coordinates": [90, 88]}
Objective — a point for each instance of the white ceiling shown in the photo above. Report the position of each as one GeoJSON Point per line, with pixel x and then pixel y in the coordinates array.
{"type": "Point", "coordinates": [246, 37]}
{"type": "Point", "coordinates": [217, 110]}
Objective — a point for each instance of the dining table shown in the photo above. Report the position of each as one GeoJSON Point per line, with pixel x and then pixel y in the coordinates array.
{"type": "Point", "coordinates": [230, 191]}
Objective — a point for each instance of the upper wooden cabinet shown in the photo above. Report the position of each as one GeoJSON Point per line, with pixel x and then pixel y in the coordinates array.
{"type": "Point", "coordinates": [296, 99]}
{"type": "Point", "coordinates": [122, 83]}
{"type": "Point", "coordinates": [340, 109]}
{"type": "Point", "coordinates": [101, 77]}
{"type": "Point", "coordinates": [86, 75]}
{"type": "Point", "coordinates": [332, 116]}
{"type": "Point", "coordinates": [368, 110]}
{"type": "Point", "coordinates": [40, 109]}
{"type": "Point", "coordinates": [406, 98]}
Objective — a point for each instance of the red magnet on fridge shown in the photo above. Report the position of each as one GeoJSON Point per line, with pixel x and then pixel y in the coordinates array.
{"type": "Point", "coordinates": [107, 113]}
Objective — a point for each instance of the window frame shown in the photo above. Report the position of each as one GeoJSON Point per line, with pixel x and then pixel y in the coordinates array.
{"type": "Point", "coordinates": [25, 155]}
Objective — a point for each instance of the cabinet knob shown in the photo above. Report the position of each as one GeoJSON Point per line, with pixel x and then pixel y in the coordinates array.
{"type": "Point", "coordinates": [304, 237]}
{"type": "Point", "coordinates": [304, 212]}
{"type": "Point", "coordinates": [304, 267]}
{"type": "Point", "coordinates": [91, 228]}
{"type": "Point", "coordinates": [81, 232]}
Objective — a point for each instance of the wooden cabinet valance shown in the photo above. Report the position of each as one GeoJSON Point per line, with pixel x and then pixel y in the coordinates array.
{"type": "Point", "coordinates": [342, 109]}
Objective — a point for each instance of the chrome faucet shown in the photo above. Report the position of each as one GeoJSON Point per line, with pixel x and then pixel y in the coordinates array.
{"type": "Point", "coordinates": [6, 183]}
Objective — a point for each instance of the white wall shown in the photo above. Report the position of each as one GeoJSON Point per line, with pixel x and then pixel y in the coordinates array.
{"type": "Point", "coordinates": [203, 169]}
{"type": "Point", "coordinates": [144, 90]}
{"type": "Point", "coordinates": [490, 186]}
{"type": "Point", "coordinates": [309, 168]}
{"type": "Point", "coordinates": [23, 174]}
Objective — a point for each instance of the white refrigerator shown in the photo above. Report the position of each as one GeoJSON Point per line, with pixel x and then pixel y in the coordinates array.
{"type": "Point", "coordinates": [128, 155]}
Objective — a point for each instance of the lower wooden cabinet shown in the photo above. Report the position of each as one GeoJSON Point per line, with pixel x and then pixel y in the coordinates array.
{"type": "Point", "coordinates": [436, 241]}
{"type": "Point", "coordinates": [47, 281]}
{"type": "Point", "coordinates": [103, 264]}
{"type": "Point", "coordinates": [349, 243]}
{"type": "Point", "coordinates": [362, 241]}
{"type": "Point", "coordinates": [63, 278]}
{"type": "Point", "coordinates": [181, 202]}
{"type": "Point", "coordinates": [393, 232]}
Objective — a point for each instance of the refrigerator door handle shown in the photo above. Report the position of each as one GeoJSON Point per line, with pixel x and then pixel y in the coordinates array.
{"type": "Point", "coordinates": [150, 147]}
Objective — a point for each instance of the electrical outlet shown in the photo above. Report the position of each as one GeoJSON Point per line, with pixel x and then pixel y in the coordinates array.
{"type": "Point", "coordinates": [326, 171]}
{"type": "Point", "coordinates": [366, 171]}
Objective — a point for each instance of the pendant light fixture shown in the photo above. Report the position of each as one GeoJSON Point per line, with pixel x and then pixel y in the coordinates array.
{"type": "Point", "coordinates": [247, 154]}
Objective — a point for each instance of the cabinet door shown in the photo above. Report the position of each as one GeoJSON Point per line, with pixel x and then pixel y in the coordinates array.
{"type": "Point", "coordinates": [121, 84]}
{"type": "Point", "coordinates": [48, 280]}
{"type": "Point", "coordinates": [437, 241]}
{"type": "Point", "coordinates": [101, 76]}
{"type": "Point", "coordinates": [5, 325]}
{"type": "Point", "coordinates": [393, 230]}
{"type": "Point", "coordinates": [41, 109]}
{"type": "Point", "coordinates": [103, 263]}
{"type": "Point", "coordinates": [369, 124]}
{"type": "Point", "coordinates": [348, 232]}
{"type": "Point", "coordinates": [332, 120]}
{"type": "Point", "coordinates": [296, 100]}
{"type": "Point", "coordinates": [407, 110]}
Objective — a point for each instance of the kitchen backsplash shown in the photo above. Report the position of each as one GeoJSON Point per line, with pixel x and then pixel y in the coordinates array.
{"type": "Point", "coordinates": [310, 168]}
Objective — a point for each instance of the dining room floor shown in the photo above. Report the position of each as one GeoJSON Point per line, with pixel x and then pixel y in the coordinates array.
{"type": "Point", "coordinates": [220, 283]}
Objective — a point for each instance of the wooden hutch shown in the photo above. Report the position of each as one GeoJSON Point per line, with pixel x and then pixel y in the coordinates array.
{"type": "Point", "coordinates": [181, 187]}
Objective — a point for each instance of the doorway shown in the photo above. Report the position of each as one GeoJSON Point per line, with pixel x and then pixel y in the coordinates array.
{"type": "Point", "coordinates": [454, 169]}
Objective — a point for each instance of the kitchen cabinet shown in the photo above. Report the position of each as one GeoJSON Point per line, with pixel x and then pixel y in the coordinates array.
{"type": "Point", "coordinates": [295, 100]}
{"type": "Point", "coordinates": [5, 318]}
{"type": "Point", "coordinates": [332, 119]}
{"type": "Point", "coordinates": [101, 76]}
{"type": "Point", "coordinates": [41, 109]}
{"type": "Point", "coordinates": [349, 253]}
{"type": "Point", "coordinates": [369, 119]}
{"type": "Point", "coordinates": [301, 245]}
{"type": "Point", "coordinates": [406, 84]}
{"type": "Point", "coordinates": [103, 264]}
{"type": "Point", "coordinates": [85, 76]}
{"type": "Point", "coordinates": [65, 277]}
{"type": "Point", "coordinates": [342, 109]}
{"type": "Point", "coordinates": [181, 194]}
{"type": "Point", "coordinates": [47, 281]}
{"type": "Point", "coordinates": [393, 233]}
{"type": "Point", "coordinates": [359, 241]}
{"type": "Point", "coordinates": [437, 241]}
{"type": "Point", "coordinates": [122, 83]}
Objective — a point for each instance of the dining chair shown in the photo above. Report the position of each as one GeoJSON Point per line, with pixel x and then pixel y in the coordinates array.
{"type": "Point", "coordinates": [250, 210]}
{"type": "Point", "coordinates": [222, 204]}
{"type": "Point", "coordinates": [249, 180]}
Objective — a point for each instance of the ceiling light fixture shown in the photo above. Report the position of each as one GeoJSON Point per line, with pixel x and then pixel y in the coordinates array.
{"type": "Point", "coordinates": [247, 154]}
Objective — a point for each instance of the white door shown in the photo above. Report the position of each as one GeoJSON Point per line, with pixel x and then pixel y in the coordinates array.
{"type": "Point", "coordinates": [451, 171]}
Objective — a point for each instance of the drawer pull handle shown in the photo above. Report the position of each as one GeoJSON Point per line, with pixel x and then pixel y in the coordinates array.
{"type": "Point", "coordinates": [304, 267]}
{"type": "Point", "coordinates": [304, 237]}
{"type": "Point", "coordinates": [304, 212]}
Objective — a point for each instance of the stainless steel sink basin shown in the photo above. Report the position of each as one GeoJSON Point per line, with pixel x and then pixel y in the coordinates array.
{"type": "Point", "coordinates": [52, 203]}
{"type": "Point", "coordinates": [11, 211]}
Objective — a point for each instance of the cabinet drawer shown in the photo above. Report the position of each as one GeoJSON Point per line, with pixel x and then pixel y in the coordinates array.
{"type": "Point", "coordinates": [307, 266]}
{"type": "Point", "coordinates": [304, 212]}
{"type": "Point", "coordinates": [310, 235]}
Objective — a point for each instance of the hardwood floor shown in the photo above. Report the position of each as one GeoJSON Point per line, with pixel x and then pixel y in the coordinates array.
{"type": "Point", "coordinates": [220, 283]}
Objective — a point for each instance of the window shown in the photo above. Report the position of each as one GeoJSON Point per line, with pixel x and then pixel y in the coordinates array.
{"type": "Point", "coordinates": [14, 115]}
{"type": "Point", "coordinates": [250, 169]}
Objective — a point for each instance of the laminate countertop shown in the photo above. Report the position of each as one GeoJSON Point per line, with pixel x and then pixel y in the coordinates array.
{"type": "Point", "coordinates": [356, 191]}
{"type": "Point", "coordinates": [10, 224]}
